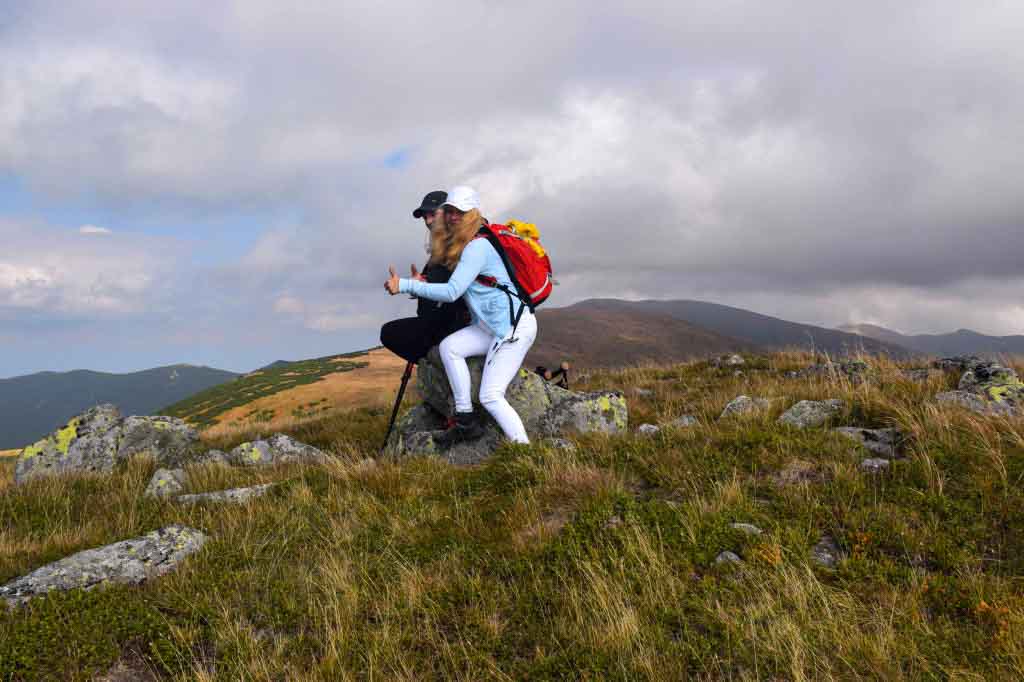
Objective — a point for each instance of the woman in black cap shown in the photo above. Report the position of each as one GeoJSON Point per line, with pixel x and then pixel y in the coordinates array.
{"type": "Point", "coordinates": [411, 337]}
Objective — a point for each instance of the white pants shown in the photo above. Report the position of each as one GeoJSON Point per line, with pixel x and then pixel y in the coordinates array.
{"type": "Point", "coordinates": [500, 367]}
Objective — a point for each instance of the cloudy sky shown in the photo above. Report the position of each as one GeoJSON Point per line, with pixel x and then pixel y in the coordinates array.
{"type": "Point", "coordinates": [225, 183]}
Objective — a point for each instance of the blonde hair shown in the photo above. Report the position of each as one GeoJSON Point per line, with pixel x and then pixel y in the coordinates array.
{"type": "Point", "coordinates": [458, 237]}
{"type": "Point", "coordinates": [438, 239]}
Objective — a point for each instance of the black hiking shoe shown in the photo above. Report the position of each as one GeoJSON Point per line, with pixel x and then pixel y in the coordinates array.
{"type": "Point", "coordinates": [467, 427]}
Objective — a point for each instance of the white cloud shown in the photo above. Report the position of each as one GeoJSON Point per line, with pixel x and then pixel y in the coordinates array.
{"type": "Point", "coordinates": [94, 229]}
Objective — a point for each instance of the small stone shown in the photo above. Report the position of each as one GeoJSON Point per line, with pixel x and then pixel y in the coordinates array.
{"type": "Point", "coordinates": [643, 392]}
{"type": "Point", "coordinates": [167, 483]}
{"type": "Point", "coordinates": [748, 528]}
{"type": "Point", "coordinates": [236, 495]}
{"type": "Point", "coordinates": [874, 465]}
{"type": "Point", "coordinates": [825, 553]}
{"type": "Point", "coordinates": [882, 442]}
{"type": "Point", "coordinates": [728, 558]}
{"type": "Point", "coordinates": [561, 444]}
{"type": "Point", "coordinates": [809, 413]}
{"type": "Point", "coordinates": [734, 360]}
{"type": "Point", "coordinates": [648, 429]}
{"type": "Point", "coordinates": [744, 404]}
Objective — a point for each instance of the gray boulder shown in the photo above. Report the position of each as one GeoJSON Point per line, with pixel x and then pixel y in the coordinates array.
{"type": "Point", "coordinates": [128, 562]}
{"type": "Point", "coordinates": [277, 449]}
{"type": "Point", "coordinates": [744, 404]}
{"type": "Point", "coordinates": [100, 438]}
{"type": "Point", "coordinates": [809, 413]}
{"type": "Point", "coordinates": [236, 495]}
{"type": "Point", "coordinates": [167, 483]}
{"type": "Point", "coordinates": [884, 442]}
{"type": "Point", "coordinates": [213, 457]}
{"type": "Point", "coordinates": [547, 410]}
{"type": "Point", "coordinates": [169, 439]}
{"type": "Point", "coordinates": [973, 402]}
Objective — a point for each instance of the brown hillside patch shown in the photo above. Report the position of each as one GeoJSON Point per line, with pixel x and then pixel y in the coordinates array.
{"type": "Point", "coordinates": [369, 386]}
{"type": "Point", "coordinates": [9, 453]}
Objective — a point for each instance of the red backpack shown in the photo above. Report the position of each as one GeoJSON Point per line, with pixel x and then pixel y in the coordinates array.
{"type": "Point", "coordinates": [528, 267]}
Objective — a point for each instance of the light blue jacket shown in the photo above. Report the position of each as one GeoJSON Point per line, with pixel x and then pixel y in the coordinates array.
{"type": "Point", "coordinates": [486, 304]}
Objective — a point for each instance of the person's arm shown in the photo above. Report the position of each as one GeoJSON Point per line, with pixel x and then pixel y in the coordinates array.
{"type": "Point", "coordinates": [470, 265]}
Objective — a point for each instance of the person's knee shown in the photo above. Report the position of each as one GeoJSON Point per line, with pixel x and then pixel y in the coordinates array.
{"type": "Point", "coordinates": [491, 398]}
{"type": "Point", "coordinates": [448, 348]}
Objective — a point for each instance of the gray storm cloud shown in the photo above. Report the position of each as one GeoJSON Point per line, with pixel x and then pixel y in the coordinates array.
{"type": "Point", "coordinates": [820, 161]}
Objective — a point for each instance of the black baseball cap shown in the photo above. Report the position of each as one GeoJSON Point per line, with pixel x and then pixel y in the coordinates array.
{"type": "Point", "coordinates": [431, 202]}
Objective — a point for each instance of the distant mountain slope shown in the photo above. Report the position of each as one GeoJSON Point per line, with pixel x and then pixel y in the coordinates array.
{"type": "Point", "coordinates": [750, 327]}
{"type": "Point", "coordinates": [286, 390]}
{"type": "Point", "coordinates": [960, 342]}
{"type": "Point", "coordinates": [32, 406]}
{"type": "Point", "coordinates": [613, 336]}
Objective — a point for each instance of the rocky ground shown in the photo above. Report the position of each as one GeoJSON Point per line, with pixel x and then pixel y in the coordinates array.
{"type": "Point", "coordinates": [748, 518]}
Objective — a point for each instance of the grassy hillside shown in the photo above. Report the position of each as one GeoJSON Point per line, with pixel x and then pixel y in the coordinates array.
{"type": "Point", "coordinates": [205, 408]}
{"type": "Point", "coordinates": [547, 564]}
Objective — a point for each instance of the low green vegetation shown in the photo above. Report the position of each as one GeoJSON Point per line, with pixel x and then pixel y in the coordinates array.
{"type": "Point", "coordinates": [597, 563]}
{"type": "Point", "coordinates": [203, 408]}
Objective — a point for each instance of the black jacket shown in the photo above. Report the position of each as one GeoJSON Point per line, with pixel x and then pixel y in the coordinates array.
{"type": "Point", "coordinates": [448, 316]}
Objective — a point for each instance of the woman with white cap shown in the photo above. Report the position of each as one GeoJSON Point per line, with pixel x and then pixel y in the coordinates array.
{"type": "Point", "coordinates": [491, 331]}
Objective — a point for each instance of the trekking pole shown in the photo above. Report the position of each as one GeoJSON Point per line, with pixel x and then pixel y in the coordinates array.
{"type": "Point", "coordinates": [394, 412]}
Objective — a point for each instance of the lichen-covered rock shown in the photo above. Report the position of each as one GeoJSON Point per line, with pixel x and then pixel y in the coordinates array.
{"type": "Point", "coordinates": [255, 453]}
{"type": "Point", "coordinates": [167, 483]}
{"type": "Point", "coordinates": [744, 404]}
{"type": "Point", "coordinates": [168, 439]}
{"type": "Point", "coordinates": [235, 495]}
{"type": "Point", "coordinates": [586, 413]}
{"type": "Point", "coordinates": [87, 443]}
{"type": "Point", "coordinates": [810, 413]}
{"type": "Point", "coordinates": [973, 402]}
{"type": "Point", "coordinates": [100, 438]}
{"type": "Point", "coordinates": [287, 449]}
{"type": "Point", "coordinates": [884, 442]}
{"type": "Point", "coordinates": [129, 561]}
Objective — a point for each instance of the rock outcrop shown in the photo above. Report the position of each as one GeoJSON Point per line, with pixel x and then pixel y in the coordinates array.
{"type": "Point", "coordinates": [744, 404]}
{"type": "Point", "coordinates": [100, 438]}
{"type": "Point", "coordinates": [808, 413]}
{"type": "Point", "coordinates": [128, 562]}
{"type": "Point", "coordinates": [547, 410]}
{"type": "Point", "coordinates": [985, 387]}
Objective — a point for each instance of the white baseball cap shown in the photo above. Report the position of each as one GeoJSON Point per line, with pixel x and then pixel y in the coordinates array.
{"type": "Point", "coordinates": [463, 198]}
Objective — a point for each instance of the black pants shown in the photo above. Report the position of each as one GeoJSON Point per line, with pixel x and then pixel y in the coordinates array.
{"type": "Point", "coordinates": [411, 337]}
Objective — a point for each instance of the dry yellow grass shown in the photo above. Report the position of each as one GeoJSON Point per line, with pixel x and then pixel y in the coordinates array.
{"type": "Point", "coordinates": [368, 386]}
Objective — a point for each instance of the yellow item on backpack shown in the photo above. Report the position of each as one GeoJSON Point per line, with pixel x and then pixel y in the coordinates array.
{"type": "Point", "coordinates": [529, 233]}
